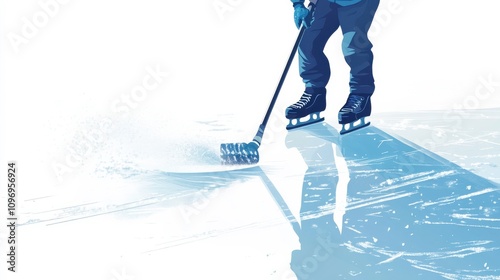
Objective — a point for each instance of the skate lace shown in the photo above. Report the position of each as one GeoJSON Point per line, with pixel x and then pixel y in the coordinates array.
{"type": "Point", "coordinates": [353, 101]}
{"type": "Point", "coordinates": [304, 99]}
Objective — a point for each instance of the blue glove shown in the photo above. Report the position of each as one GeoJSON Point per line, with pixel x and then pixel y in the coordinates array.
{"type": "Point", "coordinates": [302, 15]}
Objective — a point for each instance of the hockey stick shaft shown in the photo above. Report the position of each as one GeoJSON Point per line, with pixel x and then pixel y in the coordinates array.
{"type": "Point", "coordinates": [262, 127]}
{"type": "Point", "coordinates": [247, 153]}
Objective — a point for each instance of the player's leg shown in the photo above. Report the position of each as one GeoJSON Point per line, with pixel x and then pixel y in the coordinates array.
{"type": "Point", "coordinates": [314, 67]}
{"type": "Point", "coordinates": [355, 22]}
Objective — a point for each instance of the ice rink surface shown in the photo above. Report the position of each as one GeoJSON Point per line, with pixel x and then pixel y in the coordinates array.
{"type": "Point", "coordinates": [367, 205]}
{"type": "Point", "coordinates": [114, 112]}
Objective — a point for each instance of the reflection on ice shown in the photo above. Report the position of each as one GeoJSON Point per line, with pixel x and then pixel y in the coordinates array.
{"type": "Point", "coordinates": [366, 205]}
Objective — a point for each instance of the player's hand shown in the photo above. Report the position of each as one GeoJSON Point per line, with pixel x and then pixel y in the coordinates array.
{"type": "Point", "coordinates": [302, 15]}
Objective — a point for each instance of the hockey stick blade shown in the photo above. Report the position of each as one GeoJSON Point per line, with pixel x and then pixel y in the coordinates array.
{"type": "Point", "coordinates": [239, 153]}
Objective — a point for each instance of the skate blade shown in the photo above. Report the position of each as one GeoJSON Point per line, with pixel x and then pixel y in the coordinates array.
{"type": "Point", "coordinates": [296, 123]}
{"type": "Point", "coordinates": [353, 126]}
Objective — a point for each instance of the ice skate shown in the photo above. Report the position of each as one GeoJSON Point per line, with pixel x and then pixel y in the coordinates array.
{"type": "Point", "coordinates": [306, 111]}
{"type": "Point", "coordinates": [352, 115]}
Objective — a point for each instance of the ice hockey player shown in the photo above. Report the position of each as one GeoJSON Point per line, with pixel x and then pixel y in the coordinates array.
{"type": "Point", "coordinates": [354, 17]}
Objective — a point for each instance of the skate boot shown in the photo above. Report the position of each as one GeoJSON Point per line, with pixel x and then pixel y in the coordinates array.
{"type": "Point", "coordinates": [307, 110]}
{"type": "Point", "coordinates": [355, 109]}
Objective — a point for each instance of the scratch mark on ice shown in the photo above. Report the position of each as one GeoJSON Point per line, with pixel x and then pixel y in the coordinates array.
{"type": "Point", "coordinates": [462, 197]}
{"type": "Point", "coordinates": [416, 181]}
{"type": "Point", "coordinates": [355, 230]}
{"type": "Point", "coordinates": [392, 197]}
{"type": "Point", "coordinates": [392, 258]}
{"type": "Point", "coordinates": [469, 217]}
{"type": "Point", "coordinates": [386, 140]}
{"type": "Point", "coordinates": [457, 224]}
{"type": "Point", "coordinates": [485, 191]}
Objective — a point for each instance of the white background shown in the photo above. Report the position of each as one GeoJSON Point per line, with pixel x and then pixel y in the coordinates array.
{"type": "Point", "coordinates": [63, 79]}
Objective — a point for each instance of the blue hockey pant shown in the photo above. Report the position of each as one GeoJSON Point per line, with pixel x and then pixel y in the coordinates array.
{"type": "Point", "coordinates": [354, 21]}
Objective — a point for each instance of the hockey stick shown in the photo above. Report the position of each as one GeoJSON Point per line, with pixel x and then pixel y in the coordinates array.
{"type": "Point", "coordinates": [247, 153]}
